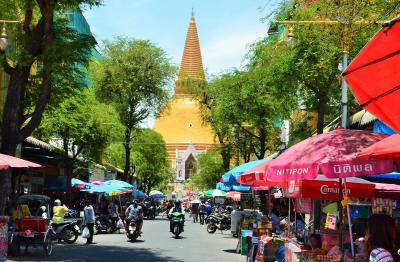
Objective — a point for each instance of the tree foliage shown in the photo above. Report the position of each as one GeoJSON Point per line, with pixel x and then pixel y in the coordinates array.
{"type": "Point", "coordinates": [210, 170]}
{"type": "Point", "coordinates": [133, 76]}
{"type": "Point", "coordinates": [149, 156]}
{"type": "Point", "coordinates": [42, 43]}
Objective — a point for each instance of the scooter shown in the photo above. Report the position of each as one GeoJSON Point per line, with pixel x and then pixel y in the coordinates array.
{"type": "Point", "coordinates": [177, 219]}
{"type": "Point", "coordinates": [133, 230]}
{"type": "Point", "coordinates": [151, 213]}
{"type": "Point", "coordinates": [215, 222]}
{"type": "Point", "coordinates": [65, 231]}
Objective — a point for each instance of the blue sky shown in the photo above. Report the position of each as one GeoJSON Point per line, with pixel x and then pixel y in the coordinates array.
{"type": "Point", "coordinates": [225, 27]}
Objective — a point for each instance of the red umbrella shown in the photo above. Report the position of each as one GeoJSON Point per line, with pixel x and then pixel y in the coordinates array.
{"type": "Point", "coordinates": [374, 75]}
{"type": "Point", "coordinates": [256, 177]}
{"type": "Point", "coordinates": [332, 154]}
{"type": "Point", "coordinates": [7, 161]}
{"type": "Point", "coordinates": [388, 148]}
{"type": "Point", "coordinates": [235, 195]}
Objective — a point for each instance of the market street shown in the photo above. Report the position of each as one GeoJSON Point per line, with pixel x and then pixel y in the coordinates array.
{"type": "Point", "coordinates": [156, 244]}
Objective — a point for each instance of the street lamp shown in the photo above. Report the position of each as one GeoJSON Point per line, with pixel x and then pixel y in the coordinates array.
{"type": "Point", "coordinates": [3, 35]}
{"type": "Point", "coordinates": [290, 37]}
{"type": "Point", "coordinates": [3, 38]}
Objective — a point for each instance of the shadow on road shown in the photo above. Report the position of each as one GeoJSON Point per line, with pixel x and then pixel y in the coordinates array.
{"type": "Point", "coordinates": [97, 253]}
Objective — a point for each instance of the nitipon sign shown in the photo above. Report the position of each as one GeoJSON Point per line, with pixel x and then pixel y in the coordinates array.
{"type": "Point", "coordinates": [292, 171]}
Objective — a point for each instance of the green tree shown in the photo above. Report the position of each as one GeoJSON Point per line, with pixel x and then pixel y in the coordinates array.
{"type": "Point", "coordinates": [318, 49]}
{"type": "Point", "coordinates": [210, 170]}
{"type": "Point", "coordinates": [82, 126]}
{"type": "Point", "coordinates": [149, 156]}
{"type": "Point", "coordinates": [43, 41]}
{"type": "Point", "coordinates": [133, 76]}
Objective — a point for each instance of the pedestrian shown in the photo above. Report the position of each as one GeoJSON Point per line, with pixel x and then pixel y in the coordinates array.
{"type": "Point", "coordinates": [195, 212]}
{"type": "Point", "coordinates": [381, 239]}
{"type": "Point", "coordinates": [208, 208]}
{"type": "Point", "coordinates": [202, 212]}
{"type": "Point", "coordinates": [88, 220]}
{"type": "Point", "coordinates": [113, 211]}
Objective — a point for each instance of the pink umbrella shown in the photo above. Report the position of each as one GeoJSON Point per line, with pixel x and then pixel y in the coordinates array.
{"type": "Point", "coordinates": [235, 195]}
{"type": "Point", "coordinates": [332, 154]}
{"type": "Point", "coordinates": [7, 161]}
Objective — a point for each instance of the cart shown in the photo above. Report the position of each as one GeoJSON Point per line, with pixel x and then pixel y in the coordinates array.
{"type": "Point", "coordinates": [32, 225]}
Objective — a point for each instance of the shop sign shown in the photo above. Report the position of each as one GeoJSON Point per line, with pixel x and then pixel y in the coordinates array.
{"type": "Point", "coordinates": [330, 222]}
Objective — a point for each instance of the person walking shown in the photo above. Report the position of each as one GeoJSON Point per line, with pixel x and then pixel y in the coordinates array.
{"type": "Point", "coordinates": [113, 211]}
{"type": "Point", "coordinates": [208, 208]}
{"type": "Point", "coordinates": [88, 219]}
{"type": "Point", "coordinates": [381, 239]}
{"type": "Point", "coordinates": [202, 212]}
{"type": "Point", "coordinates": [195, 211]}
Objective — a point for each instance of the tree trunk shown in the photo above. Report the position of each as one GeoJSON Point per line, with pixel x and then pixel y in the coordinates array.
{"type": "Point", "coordinates": [226, 153]}
{"type": "Point", "coordinates": [321, 112]}
{"type": "Point", "coordinates": [127, 146]}
{"type": "Point", "coordinates": [263, 142]}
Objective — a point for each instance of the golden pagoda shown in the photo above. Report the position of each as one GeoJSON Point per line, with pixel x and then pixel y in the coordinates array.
{"type": "Point", "coordinates": [180, 121]}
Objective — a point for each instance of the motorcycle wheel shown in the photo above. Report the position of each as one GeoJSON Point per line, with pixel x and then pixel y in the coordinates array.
{"type": "Point", "coordinates": [70, 235]}
{"type": "Point", "coordinates": [48, 243]}
{"type": "Point", "coordinates": [177, 230]}
{"type": "Point", "coordinates": [211, 228]}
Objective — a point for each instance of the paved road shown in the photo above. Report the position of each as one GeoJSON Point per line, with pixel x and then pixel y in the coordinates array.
{"type": "Point", "coordinates": [156, 245]}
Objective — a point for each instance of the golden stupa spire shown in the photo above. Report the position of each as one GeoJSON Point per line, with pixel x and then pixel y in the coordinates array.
{"type": "Point", "coordinates": [191, 65]}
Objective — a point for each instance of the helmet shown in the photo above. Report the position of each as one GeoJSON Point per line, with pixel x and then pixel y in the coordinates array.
{"type": "Point", "coordinates": [57, 202]}
{"type": "Point", "coordinates": [43, 208]}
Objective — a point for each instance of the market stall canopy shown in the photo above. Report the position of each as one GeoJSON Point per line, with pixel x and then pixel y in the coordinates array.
{"type": "Point", "coordinates": [119, 184]}
{"type": "Point", "coordinates": [223, 187]}
{"type": "Point", "coordinates": [332, 154]}
{"type": "Point", "coordinates": [156, 194]}
{"type": "Point", "coordinates": [232, 175]}
{"type": "Point", "coordinates": [235, 195]}
{"type": "Point", "coordinates": [328, 189]}
{"type": "Point", "coordinates": [7, 162]}
{"type": "Point", "coordinates": [256, 177]}
{"type": "Point", "coordinates": [79, 183]}
{"type": "Point", "coordinates": [374, 75]}
{"type": "Point", "coordinates": [241, 188]}
{"type": "Point", "coordinates": [214, 193]}
{"type": "Point", "coordinates": [386, 149]}
{"type": "Point", "coordinates": [139, 194]}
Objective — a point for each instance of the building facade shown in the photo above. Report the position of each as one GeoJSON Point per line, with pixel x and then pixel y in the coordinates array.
{"type": "Point", "coordinates": [180, 122]}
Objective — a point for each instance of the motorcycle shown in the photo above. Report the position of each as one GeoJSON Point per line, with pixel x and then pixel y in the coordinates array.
{"type": "Point", "coordinates": [133, 230]}
{"type": "Point", "coordinates": [177, 219]}
{"type": "Point", "coordinates": [151, 213]}
{"type": "Point", "coordinates": [65, 231]}
{"type": "Point", "coordinates": [102, 225]}
{"type": "Point", "coordinates": [215, 222]}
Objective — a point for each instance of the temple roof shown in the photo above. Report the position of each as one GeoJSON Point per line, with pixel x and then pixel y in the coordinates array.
{"type": "Point", "coordinates": [191, 64]}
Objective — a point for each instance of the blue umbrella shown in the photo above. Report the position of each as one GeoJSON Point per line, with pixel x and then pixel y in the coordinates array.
{"type": "Point", "coordinates": [241, 188]}
{"type": "Point", "coordinates": [223, 187]}
{"type": "Point", "coordinates": [232, 175]}
{"type": "Point", "coordinates": [77, 182]}
{"type": "Point", "coordinates": [118, 184]}
{"type": "Point", "coordinates": [139, 194]}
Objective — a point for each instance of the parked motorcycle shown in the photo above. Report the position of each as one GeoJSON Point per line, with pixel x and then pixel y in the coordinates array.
{"type": "Point", "coordinates": [65, 231]}
{"type": "Point", "coordinates": [218, 222]}
{"type": "Point", "coordinates": [177, 219]}
{"type": "Point", "coordinates": [133, 230]}
{"type": "Point", "coordinates": [102, 225]}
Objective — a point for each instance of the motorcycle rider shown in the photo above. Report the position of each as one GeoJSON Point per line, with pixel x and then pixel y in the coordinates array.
{"type": "Point", "coordinates": [134, 211]}
{"type": "Point", "coordinates": [59, 212]}
{"type": "Point", "coordinates": [177, 208]}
